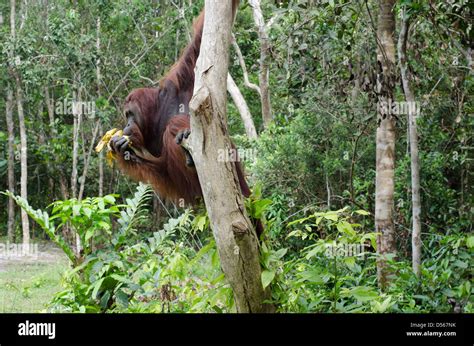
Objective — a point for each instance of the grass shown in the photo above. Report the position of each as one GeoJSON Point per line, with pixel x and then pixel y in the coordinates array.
{"type": "Point", "coordinates": [28, 287]}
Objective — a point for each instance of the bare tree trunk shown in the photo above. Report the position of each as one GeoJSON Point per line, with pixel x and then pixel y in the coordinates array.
{"type": "Point", "coordinates": [23, 138]}
{"type": "Point", "coordinates": [413, 136]}
{"type": "Point", "coordinates": [54, 132]}
{"type": "Point", "coordinates": [23, 161]}
{"type": "Point", "coordinates": [101, 169]}
{"type": "Point", "coordinates": [50, 107]}
{"type": "Point", "coordinates": [11, 166]}
{"type": "Point", "coordinates": [328, 190]}
{"type": "Point", "coordinates": [247, 82]}
{"type": "Point", "coordinates": [77, 114]}
{"type": "Point", "coordinates": [236, 239]}
{"type": "Point", "coordinates": [242, 106]}
{"type": "Point", "coordinates": [98, 78]}
{"type": "Point", "coordinates": [75, 147]}
{"type": "Point", "coordinates": [385, 141]}
{"type": "Point", "coordinates": [264, 62]}
{"type": "Point", "coordinates": [87, 161]}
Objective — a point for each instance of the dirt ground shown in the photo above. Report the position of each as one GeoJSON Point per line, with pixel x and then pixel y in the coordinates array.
{"type": "Point", "coordinates": [46, 253]}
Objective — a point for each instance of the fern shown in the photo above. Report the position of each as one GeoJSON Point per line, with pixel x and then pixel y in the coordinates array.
{"type": "Point", "coordinates": [43, 219]}
{"type": "Point", "coordinates": [134, 211]}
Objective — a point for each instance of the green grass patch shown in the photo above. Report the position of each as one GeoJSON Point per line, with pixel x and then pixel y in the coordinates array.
{"type": "Point", "coordinates": [28, 287]}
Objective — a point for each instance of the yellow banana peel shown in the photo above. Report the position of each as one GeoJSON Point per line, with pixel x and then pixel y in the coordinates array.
{"type": "Point", "coordinates": [106, 139]}
{"type": "Point", "coordinates": [110, 158]}
{"type": "Point", "coordinates": [105, 142]}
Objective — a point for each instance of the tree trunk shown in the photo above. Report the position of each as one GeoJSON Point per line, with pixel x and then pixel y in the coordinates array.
{"type": "Point", "coordinates": [242, 106]}
{"type": "Point", "coordinates": [98, 78]}
{"type": "Point", "coordinates": [385, 139]}
{"type": "Point", "coordinates": [413, 136]}
{"type": "Point", "coordinates": [264, 63]}
{"type": "Point", "coordinates": [77, 114]}
{"type": "Point", "coordinates": [236, 239]}
{"type": "Point", "coordinates": [54, 132]}
{"type": "Point", "coordinates": [87, 159]}
{"type": "Point", "coordinates": [25, 223]}
{"type": "Point", "coordinates": [75, 147]}
{"type": "Point", "coordinates": [101, 169]}
{"type": "Point", "coordinates": [23, 138]}
{"type": "Point", "coordinates": [11, 166]}
{"type": "Point", "coordinates": [247, 82]}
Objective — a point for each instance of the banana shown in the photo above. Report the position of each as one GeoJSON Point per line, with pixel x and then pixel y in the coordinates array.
{"type": "Point", "coordinates": [105, 142]}
{"type": "Point", "coordinates": [111, 156]}
{"type": "Point", "coordinates": [106, 139]}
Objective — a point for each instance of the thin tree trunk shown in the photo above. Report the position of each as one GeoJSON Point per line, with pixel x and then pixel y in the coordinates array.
{"type": "Point", "coordinates": [101, 169]}
{"type": "Point", "coordinates": [413, 136]}
{"type": "Point", "coordinates": [54, 132]}
{"type": "Point", "coordinates": [75, 147]}
{"type": "Point", "coordinates": [11, 166]}
{"type": "Point", "coordinates": [23, 161]}
{"type": "Point", "coordinates": [247, 82]}
{"type": "Point", "coordinates": [87, 161]}
{"type": "Point", "coordinates": [23, 138]}
{"type": "Point", "coordinates": [98, 78]}
{"type": "Point", "coordinates": [77, 114]}
{"type": "Point", "coordinates": [236, 239]}
{"type": "Point", "coordinates": [50, 107]}
{"type": "Point", "coordinates": [328, 191]}
{"type": "Point", "coordinates": [264, 62]}
{"type": "Point", "coordinates": [242, 106]}
{"type": "Point", "coordinates": [385, 140]}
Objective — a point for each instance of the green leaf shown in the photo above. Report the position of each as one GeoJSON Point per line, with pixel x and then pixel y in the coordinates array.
{"type": "Point", "coordinates": [382, 307]}
{"type": "Point", "coordinates": [76, 208]}
{"type": "Point", "coordinates": [267, 277]}
{"type": "Point", "coordinates": [87, 211]}
{"type": "Point", "coordinates": [200, 222]}
{"type": "Point", "coordinates": [332, 217]}
{"type": "Point", "coordinates": [470, 241]}
{"type": "Point", "coordinates": [257, 191]}
{"type": "Point", "coordinates": [260, 207]}
{"type": "Point", "coordinates": [105, 300]}
{"type": "Point", "coordinates": [460, 264]}
{"type": "Point", "coordinates": [313, 276]}
{"type": "Point", "coordinates": [280, 253]}
{"type": "Point", "coordinates": [346, 228]}
{"type": "Point", "coordinates": [96, 289]}
{"type": "Point", "coordinates": [317, 249]}
{"type": "Point", "coordinates": [362, 212]}
{"type": "Point", "coordinates": [89, 234]}
{"type": "Point", "coordinates": [296, 233]}
{"type": "Point", "coordinates": [105, 225]}
{"type": "Point", "coordinates": [121, 278]}
{"type": "Point", "coordinates": [372, 236]}
{"type": "Point", "coordinates": [121, 298]}
{"type": "Point", "coordinates": [109, 199]}
{"type": "Point", "coordinates": [363, 294]}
